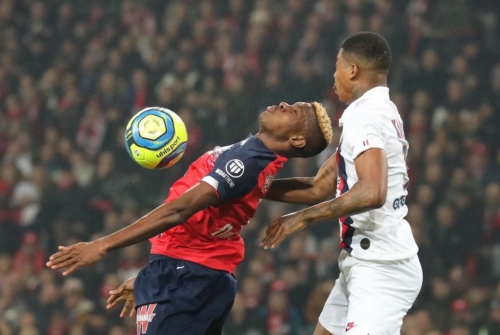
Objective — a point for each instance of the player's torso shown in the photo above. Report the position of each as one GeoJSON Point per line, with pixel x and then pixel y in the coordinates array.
{"type": "Point", "coordinates": [225, 221]}
{"type": "Point", "coordinates": [381, 233]}
{"type": "Point", "coordinates": [212, 237]}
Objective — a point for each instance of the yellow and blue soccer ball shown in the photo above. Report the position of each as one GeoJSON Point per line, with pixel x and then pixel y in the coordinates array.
{"type": "Point", "coordinates": [156, 138]}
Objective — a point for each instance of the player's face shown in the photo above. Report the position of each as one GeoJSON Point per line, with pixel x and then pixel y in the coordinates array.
{"type": "Point", "coordinates": [342, 77]}
{"type": "Point", "coordinates": [284, 120]}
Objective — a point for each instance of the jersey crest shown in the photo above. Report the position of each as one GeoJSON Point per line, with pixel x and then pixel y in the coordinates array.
{"type": "Point", "coordinates": [267, 183]}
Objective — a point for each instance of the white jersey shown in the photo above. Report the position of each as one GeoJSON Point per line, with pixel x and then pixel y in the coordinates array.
{"type": "Point", "coordinates": [373, 121]}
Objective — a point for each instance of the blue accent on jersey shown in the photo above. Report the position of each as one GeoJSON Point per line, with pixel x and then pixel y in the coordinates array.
{"type": "Point", "coordinates": [349, 232]}
{"type": "Point", "coordinates": [343, 173]}
{"type": "Point", "coordinates": [237, 169]}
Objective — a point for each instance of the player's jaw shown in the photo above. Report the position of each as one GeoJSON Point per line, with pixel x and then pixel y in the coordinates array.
{"type": "Point", "coordinates": [342, 92]}
{"type": "Point", "coordinates": [266, 119]}
{"type": "Point", "coordinates": [341, 77]}
{"type": "Point", "coordinates": [339, 87]}
{"type": "Point", "coordinates": [342, 89]}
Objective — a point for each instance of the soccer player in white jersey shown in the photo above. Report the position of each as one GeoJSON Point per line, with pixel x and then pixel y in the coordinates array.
{"type": "Point", "coordinates": [380, 274]}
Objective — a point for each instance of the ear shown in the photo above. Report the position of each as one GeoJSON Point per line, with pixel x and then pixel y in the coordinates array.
{"type": "Point", "coordinates": [353, 71]}
{"type": "Point", "coordinates": [297, 141]}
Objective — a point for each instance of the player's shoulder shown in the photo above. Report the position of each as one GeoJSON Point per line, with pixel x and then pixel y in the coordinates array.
{"type": "Point", "coordinates": [251, 149]}
{"type": "Point", "coordinates": [369, 110]}
{"type": "Point", "coordinates": [248, 157]}
{"type": "Point", "coordinates": [376, 106]}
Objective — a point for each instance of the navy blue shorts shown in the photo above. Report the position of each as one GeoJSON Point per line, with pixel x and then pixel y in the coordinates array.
{"type": "Point", "coordinates": [177, 297]}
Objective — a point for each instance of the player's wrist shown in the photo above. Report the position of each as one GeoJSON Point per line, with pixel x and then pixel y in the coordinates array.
{"type": "Point", "coordinates": [103, 245]}
{"type": "Point", "coordinates": [304, 216]}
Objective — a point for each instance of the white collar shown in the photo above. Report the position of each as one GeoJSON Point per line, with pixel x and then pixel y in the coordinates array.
{"type": "Point", "coordinates": [379, 92]}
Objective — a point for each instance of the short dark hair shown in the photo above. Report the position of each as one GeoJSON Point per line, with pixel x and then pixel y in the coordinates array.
{"type": "Point", "coordinates": [319, 133]}
{"type": "Point", "coordinates": [370, 48]}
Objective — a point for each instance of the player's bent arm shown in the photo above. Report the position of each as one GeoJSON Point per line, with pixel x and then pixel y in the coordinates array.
{"type": "Point", "coordinates": [306, 190]}
{"type": "Point", "coordinates": [163, 217]}
{"type": "Point", "coordinates": [369, 192]}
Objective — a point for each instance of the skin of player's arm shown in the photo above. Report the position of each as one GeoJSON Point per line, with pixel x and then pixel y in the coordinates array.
{"type": "Point", "coordinates": [306, 190]}
{"type": "Point", "coordinates": [369, 192]}
{"type": "Point", "coordinates": [157, 221]}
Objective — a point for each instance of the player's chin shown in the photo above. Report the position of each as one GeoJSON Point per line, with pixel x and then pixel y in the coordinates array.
{"type": "Point", "coordinates": [343, 97]}
{"type": "Point", "coordinates": [261, 120]}
{"type": "Point", "coordinates": [263, 116]}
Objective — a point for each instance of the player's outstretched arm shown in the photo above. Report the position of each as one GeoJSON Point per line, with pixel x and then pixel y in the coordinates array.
{"type": "Point", "coordinates": [306, 190]}
{"type": "Point", "coordinates": [368, 193]}
{"type": "Point", "coordinates": [157, 221]}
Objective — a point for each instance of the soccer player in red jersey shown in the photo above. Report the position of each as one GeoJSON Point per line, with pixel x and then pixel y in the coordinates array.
{"type": "Point", "coordinates": [188, 286]}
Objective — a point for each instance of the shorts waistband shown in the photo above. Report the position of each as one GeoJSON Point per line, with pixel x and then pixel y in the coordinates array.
{"type": "Point", "coordinates": [158, 257]}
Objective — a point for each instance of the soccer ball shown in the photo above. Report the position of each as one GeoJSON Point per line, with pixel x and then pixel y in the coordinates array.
{"type": "Point", "coordinates": [156, 138]}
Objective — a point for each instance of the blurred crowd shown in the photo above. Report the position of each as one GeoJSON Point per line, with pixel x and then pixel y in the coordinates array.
{"type": "Point", "coordinates": [73, 72]}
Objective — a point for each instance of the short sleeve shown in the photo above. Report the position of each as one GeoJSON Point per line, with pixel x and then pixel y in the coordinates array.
{"type": "Point", "coordinates": [236, 173]}
{"type": "Point", "coordinates": [366, 133]}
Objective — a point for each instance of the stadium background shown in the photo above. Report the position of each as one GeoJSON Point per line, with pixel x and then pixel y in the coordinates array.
{"type": "Point", "coordinates": [73, 72]}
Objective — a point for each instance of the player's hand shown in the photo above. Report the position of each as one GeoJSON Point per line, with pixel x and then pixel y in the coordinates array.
{"type": "Point", "coordinates": [280, 228]}
{"type": "Point", "coordinates": [125, 292]}
{"type": "Point", "coordinates": [76, 256]}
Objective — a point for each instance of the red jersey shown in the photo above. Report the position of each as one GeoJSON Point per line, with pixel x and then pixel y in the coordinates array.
{"type": "Point", "coordinates": [240, 175]}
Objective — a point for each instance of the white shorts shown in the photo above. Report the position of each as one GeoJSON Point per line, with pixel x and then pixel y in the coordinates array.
{"type": "Point", "coordinates": [371, 297]}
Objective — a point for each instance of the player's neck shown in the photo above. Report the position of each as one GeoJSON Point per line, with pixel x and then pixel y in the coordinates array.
{"type": "Point", "coordinates": [271, 144]}
{"type": "Point", "coordinates": [364, 86]}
